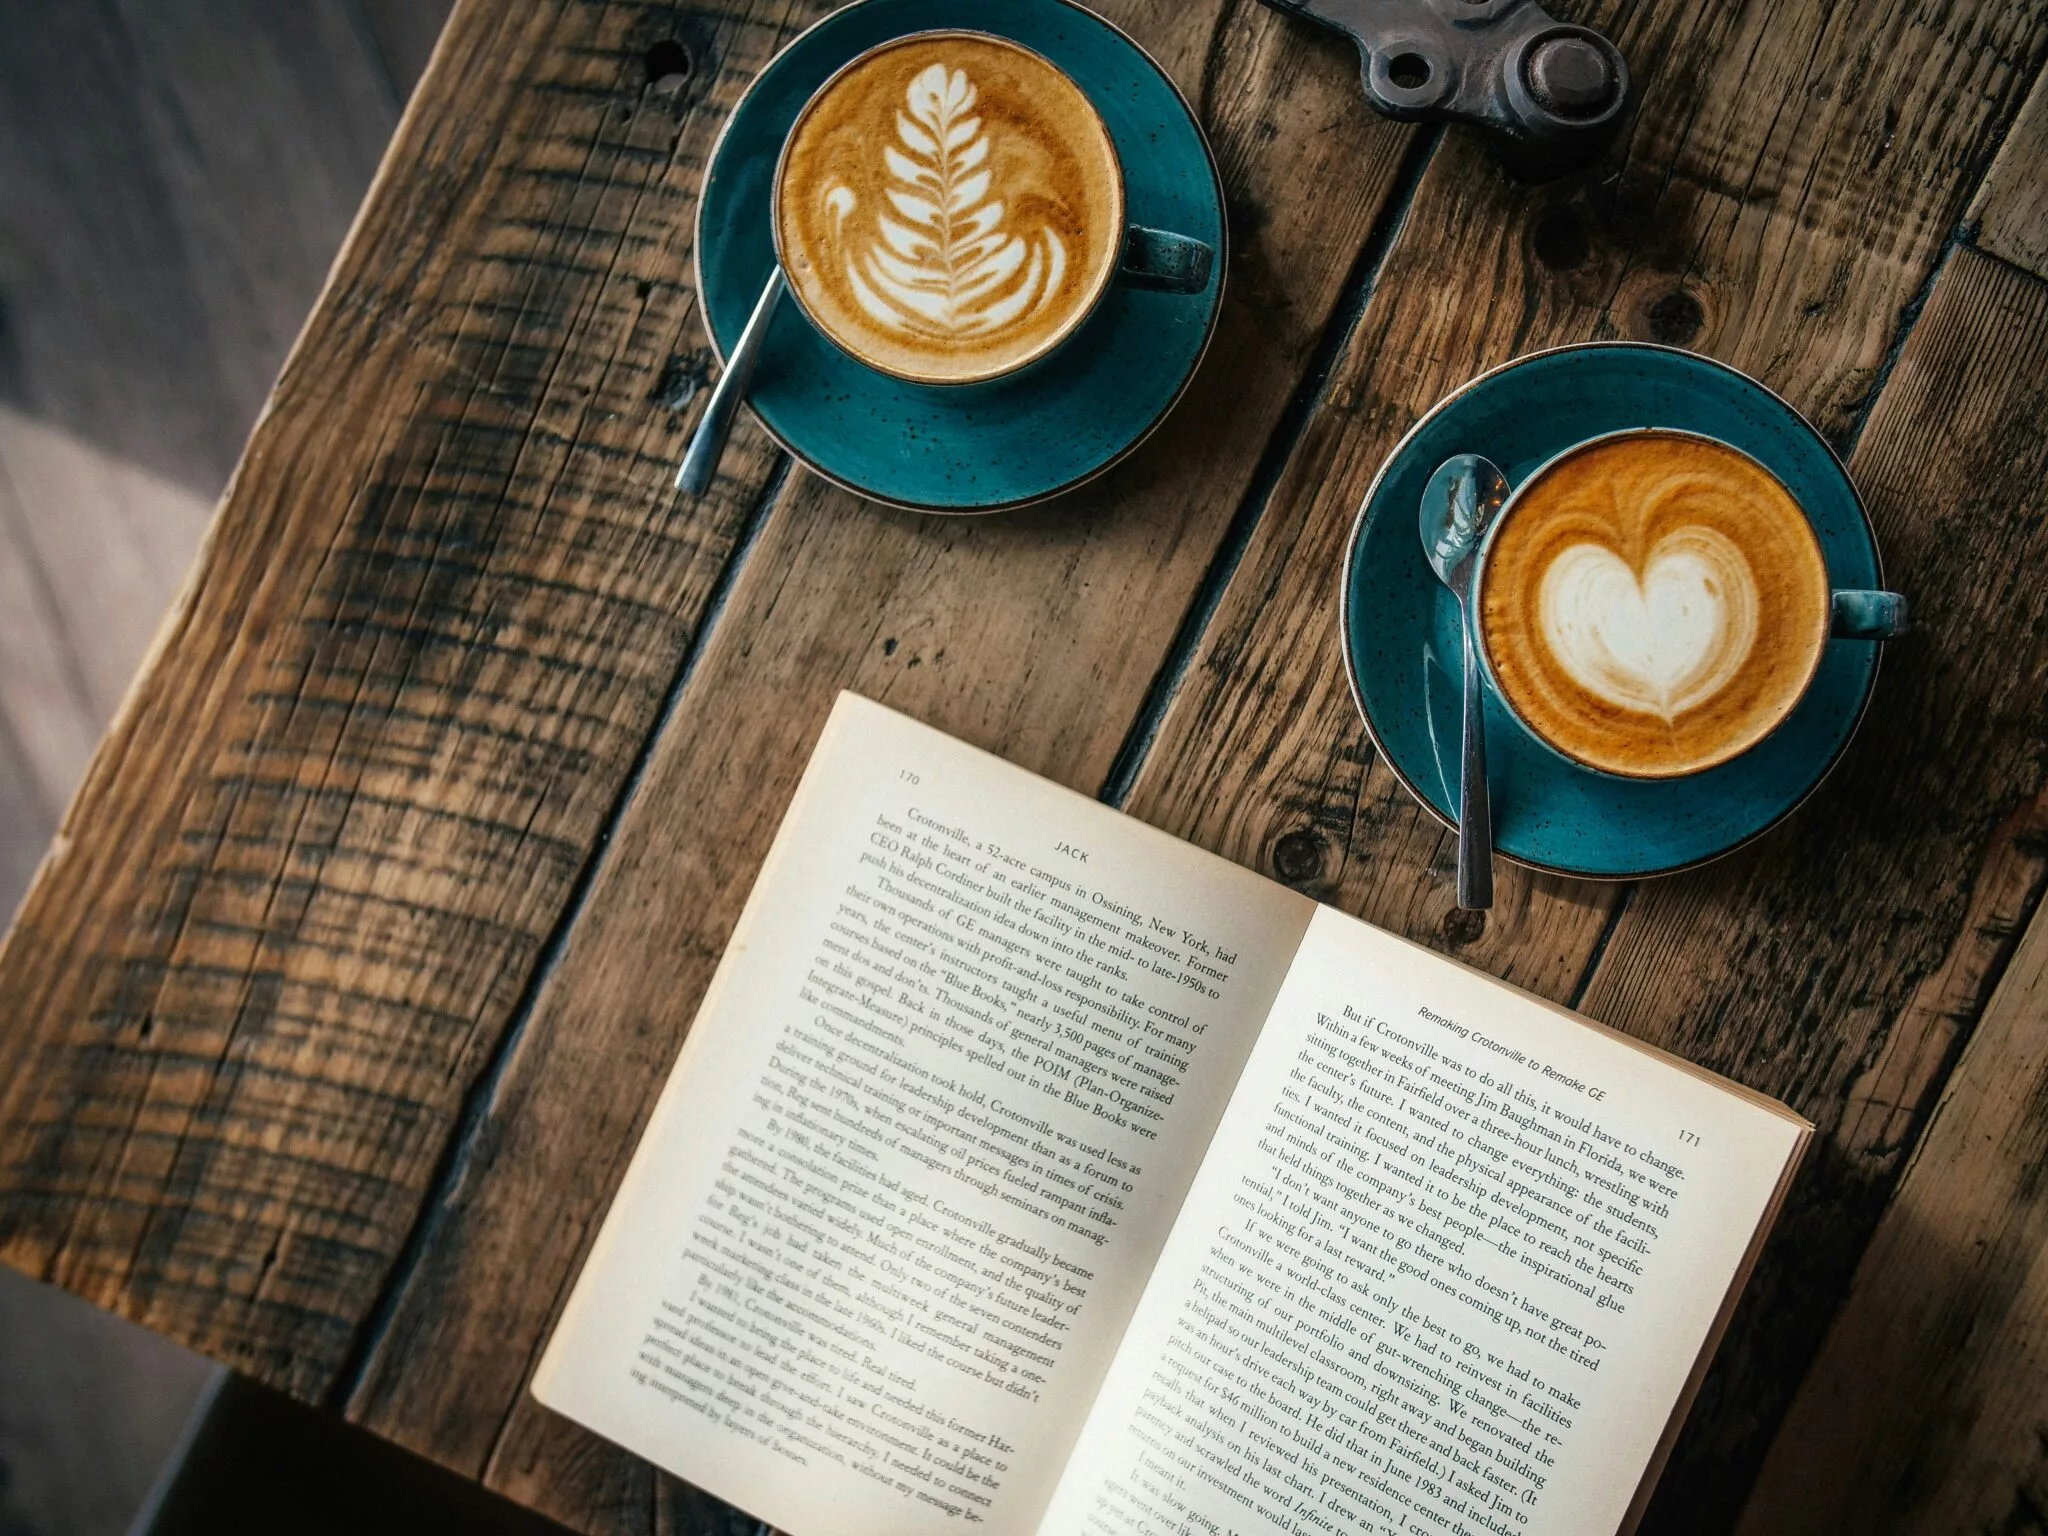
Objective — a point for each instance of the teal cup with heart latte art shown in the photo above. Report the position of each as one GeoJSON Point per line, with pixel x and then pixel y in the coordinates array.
{"type": "Point", "coordinates": [1654, 603]}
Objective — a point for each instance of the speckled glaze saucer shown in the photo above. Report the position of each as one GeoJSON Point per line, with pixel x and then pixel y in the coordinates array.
{"type": "Point", "coordinates": [1402, 639]}
{"type": "Point", "coordinates": [968, 448]}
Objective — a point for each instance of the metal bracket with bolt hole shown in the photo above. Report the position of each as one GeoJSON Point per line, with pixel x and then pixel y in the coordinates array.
{"type": "Point", "coordinates": [1549, 94]}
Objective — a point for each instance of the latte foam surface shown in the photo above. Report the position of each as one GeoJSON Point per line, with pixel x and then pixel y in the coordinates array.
{"type": "Point", "coordinates": [949, 207]}
{"type": "Point", "coordinates": [1654, 604]}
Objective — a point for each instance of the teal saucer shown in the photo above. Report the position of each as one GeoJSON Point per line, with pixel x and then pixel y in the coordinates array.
{"type": "Point", "coordinates": [1402, 638]}
{"type": "Point", "coordinates": [969, 447]}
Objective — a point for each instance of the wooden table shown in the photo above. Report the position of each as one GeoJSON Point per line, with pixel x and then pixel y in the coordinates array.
{"type": "Point", "coordinates": [339, 1001]}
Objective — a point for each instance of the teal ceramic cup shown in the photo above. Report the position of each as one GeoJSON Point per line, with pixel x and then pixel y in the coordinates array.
{"type": "Point", "coordinates": [972, 449]}
{"type": "Point", "coordinates": [1676, 606]}
{"type": "Point", "coordinates": [932, 133]}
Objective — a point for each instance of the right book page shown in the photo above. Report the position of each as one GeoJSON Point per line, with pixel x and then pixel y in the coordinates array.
{"type": "Point", "coordinates": [1452, 1263]}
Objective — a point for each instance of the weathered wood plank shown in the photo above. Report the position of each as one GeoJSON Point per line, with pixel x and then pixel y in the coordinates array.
{"type": "Point", "coordinates": [1927, 1406]}
{"type": "Point", "coordinates": [189, 1057]}
{"type": "Point", "coordinates": [1840, 965]}
{"type": "Point", "coordinates": [179, 176]}
{"type": "Point", "coordinates": [175, 191]}
{"type": "Point", "coordinates": [1927, 1410]}
{"type": "Point", "coordinates": [1036, 634]}
{"type": "Point", "coordinates": [2010, 210]}
{"type": "Point", "coordinates": [438, 615]}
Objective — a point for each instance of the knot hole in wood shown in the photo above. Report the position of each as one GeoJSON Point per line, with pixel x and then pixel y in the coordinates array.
{"type": "Point", "coordinates": [1461, 927]}
{"type": "Point", "coordinates": [670, 66]}
{"type": "Point", "coordinates": [1676, 318]}
{"type": "Point", "coordinates": [1298, 856]}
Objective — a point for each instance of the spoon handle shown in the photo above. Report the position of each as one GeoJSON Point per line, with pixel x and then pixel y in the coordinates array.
{"type": "Point", "coordinates": [707, 446]}
{"type": "Point", "coordinates": [1475, 811]}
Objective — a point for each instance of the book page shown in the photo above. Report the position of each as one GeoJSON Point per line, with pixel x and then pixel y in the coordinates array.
{"type": "Point", "coordinates": [1448, 1268]}
{"type": "Point", "coordinates": [927, 1136]}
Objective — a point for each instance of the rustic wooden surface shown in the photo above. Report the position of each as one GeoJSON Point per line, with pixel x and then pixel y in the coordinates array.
{"type": "Point", "coordinates": [179, 175]}
{"type": "Point", "coordinates": [389, 898]}
{"type": "Point", "coordinates": [1925, 1409]}
{"type": "Point", "coordinates": [2010, 211]}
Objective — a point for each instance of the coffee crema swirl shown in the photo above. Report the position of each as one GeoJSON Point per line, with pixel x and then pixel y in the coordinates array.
{"type": "Point", "coordinates": [949, 207]}
{"type": "Point", "coordinates": [1655, 604]}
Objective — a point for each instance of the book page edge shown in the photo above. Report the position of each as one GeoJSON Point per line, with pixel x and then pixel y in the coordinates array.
{"type": "Point", "coordinates": [1653, 1470]}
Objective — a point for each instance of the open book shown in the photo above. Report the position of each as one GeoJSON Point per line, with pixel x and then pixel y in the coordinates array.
{"type": "Point", "coordinates": [1030, 1170]}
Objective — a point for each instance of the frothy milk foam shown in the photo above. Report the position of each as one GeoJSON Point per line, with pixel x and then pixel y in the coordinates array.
{"type": "Point", "coordinates": [949, 207]}
{"type": "Point", "coordinates": [1655, 604]}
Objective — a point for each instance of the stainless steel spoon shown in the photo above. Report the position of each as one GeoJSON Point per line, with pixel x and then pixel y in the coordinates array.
{"type": "Point", "coordinates": [1459, 504]}
{"type": "Point", "coordinates": [707, 445]}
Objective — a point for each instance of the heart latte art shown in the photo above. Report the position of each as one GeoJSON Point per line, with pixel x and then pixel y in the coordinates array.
{"type": "Point", "coordinates": [1663, 640]}
{"type": "Point", "coordinates": [1654, 604]}
{"type": "Point", "coordinates": [949, 207]}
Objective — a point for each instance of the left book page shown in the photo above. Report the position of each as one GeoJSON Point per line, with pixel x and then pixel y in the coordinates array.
{"type": "Point", "coordinates": [923, 1145]}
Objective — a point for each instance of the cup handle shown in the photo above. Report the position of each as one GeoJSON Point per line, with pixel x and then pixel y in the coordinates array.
{"type": "Point", "coordinates": [1165, 262]}
{"type": "Point", "coordinates": [1869, 615]}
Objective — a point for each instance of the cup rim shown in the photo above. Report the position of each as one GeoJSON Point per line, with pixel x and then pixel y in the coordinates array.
{"type": "Point", "coordinates": [1104, 279]}
{"type": "Point", "coordinates": [1482, 559]}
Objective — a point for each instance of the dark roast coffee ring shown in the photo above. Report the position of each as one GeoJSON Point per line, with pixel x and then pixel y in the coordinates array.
{"type": "Point", "coordinates": [1548, 94]}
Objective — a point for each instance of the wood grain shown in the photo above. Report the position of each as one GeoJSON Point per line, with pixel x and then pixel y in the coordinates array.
{"type": "Point", "coordinates": [1789, 241]}
{"type": "Point", "coordinates": [1037, 635]}
{"type": "Point", "coordinates": [178, 177]}
{"type": "Point", "coordinates": [2010, 210]}
{"type": "Point", "coordinates": [437, 617]}
{"type": "Point", "coordinates": [272, 122]}
{"type": "Point", "coordinates": [1764, 238]}
{"type": "Point", "coordinates": [327, 1041]}
{"type": "Point", "coordinates": [1928, 1407]}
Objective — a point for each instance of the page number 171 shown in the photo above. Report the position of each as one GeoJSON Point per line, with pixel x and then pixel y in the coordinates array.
{"type": "Point", "coordinates": [1688, 1138]}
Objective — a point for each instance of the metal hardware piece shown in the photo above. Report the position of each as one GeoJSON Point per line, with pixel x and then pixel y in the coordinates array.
{"type": "Point", "coordinates": [1549, 94]}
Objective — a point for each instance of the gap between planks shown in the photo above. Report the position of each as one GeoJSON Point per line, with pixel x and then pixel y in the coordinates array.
{"type": "Point", "coordinates": [1359, 287]}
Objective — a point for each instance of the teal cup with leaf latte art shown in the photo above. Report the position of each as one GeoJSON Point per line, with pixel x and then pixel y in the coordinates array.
{"type": "Point", "coordinates": [949, 208]}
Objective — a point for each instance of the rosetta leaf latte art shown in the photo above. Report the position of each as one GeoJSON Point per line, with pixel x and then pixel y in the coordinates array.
{"type": "Point", "coordinates": [945, 264]}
